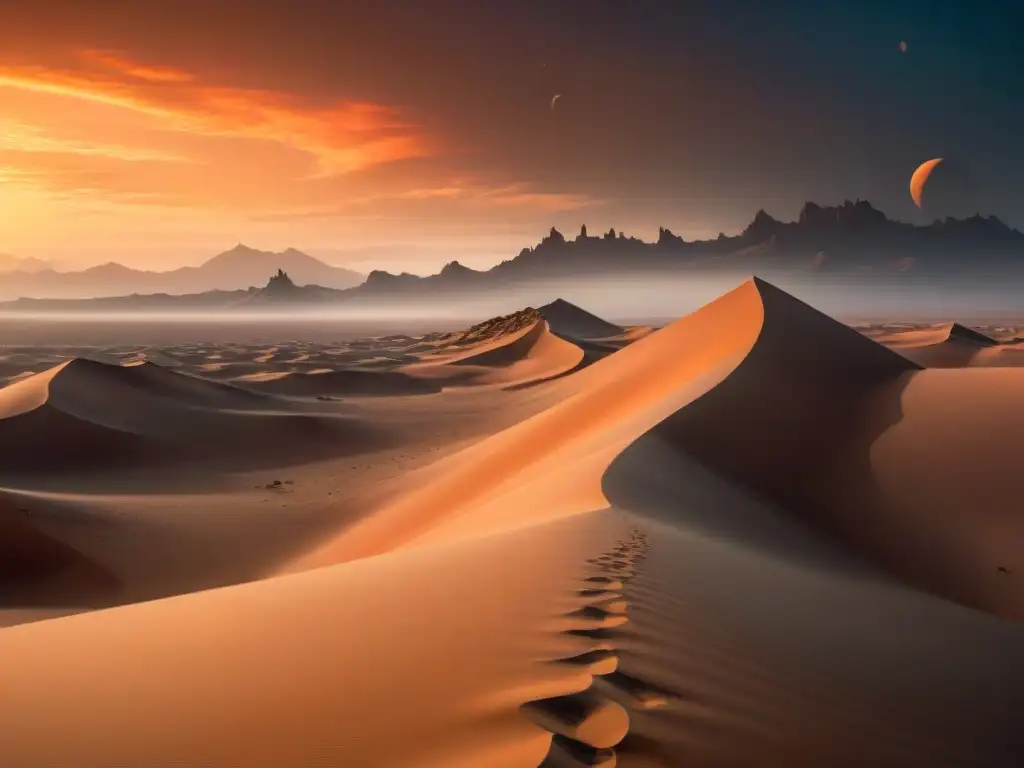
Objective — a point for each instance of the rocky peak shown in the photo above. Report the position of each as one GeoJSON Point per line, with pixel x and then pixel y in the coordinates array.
{"type": "Point", "coordinates": [763, 227]}
{"type": "Point", "coordinates": [279, 283]}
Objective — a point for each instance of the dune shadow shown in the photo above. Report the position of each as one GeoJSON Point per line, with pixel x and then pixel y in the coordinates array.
{"type": "Point", "coordinates": [38, 570]}
{"type": "Point", "coordinates": [63, 454]}
{"type": "Point", "coordinates": [778, 453]}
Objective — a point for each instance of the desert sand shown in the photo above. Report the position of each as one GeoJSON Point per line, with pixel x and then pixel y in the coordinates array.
{"type": "Point", "coordinates": [754, 537]}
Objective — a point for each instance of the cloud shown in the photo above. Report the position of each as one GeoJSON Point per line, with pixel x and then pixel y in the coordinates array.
{"type": "Point", "coordinates": [108, 144]}
{"type": "Point", "coordinates": [342, 136]}
{"type": "Point", "coordinates": [140, 71]}
{"type": "Point", "coordinates": [521, 195]}
{"type": "Point", "coordinates": [477, 193]}
{"type": "Point", "coordinates": [24, 138]}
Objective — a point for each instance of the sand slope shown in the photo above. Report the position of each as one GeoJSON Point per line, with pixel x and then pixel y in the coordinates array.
{"type": "Point", "coordinates": [708, 551]}
{"type": "Point", "coordinates": [309, 670]}
{"type": "Point", "coordinates": [947, 345]}
{"type": "Point", "coordinates": [521, 349]}
{"type": "Point", "coordinates": [85, 413]}
{"type": "Point", "coordinates": [338, 383]}
{"type": "Point", "coordinates": [566, 319]}
{"type": "Point", "coordinates": [38, 570]}
{"type": "Point", "coordinates": [560, 454]}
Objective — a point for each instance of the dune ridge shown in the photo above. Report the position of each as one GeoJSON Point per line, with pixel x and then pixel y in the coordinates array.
{"type": "Point", "coordinates": [946, 345]}
{"type": "Point", "coordinates": [512, 351]}
{"type": "Point", "coordinates": [85, 413]}
{"type": "Point", "coordinates": [706, 551]}
{"type": "Point", "coordinates": [565, 318]}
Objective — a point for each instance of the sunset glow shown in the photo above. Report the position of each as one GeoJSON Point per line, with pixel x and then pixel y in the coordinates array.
{"type": "Point", "coordinates": [150, 142]}
{"type": "Point", "coordinates": [159, 134]}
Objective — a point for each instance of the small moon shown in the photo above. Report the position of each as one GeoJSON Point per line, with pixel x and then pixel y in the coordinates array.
{"type": "Point", "coordinates": [555, 98]}
{"type": "Point", "coordinates": [903, 46]}
{"type": "Point", "coordinates": [920, 178]}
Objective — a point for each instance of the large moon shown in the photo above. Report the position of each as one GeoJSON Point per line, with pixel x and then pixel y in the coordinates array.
{"type": "Point", "coordinates": [920, 178]}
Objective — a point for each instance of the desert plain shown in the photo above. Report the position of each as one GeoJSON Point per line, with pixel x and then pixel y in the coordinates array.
{"type": "Point", "coordinates": [755, 536]}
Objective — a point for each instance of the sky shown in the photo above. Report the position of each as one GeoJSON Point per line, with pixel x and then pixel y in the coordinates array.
{"type": "Point", "coordinates": [400, 134]}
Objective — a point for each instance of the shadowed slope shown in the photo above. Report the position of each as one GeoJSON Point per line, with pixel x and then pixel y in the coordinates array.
{"type": "Point", "coordinates": [567, 319]}
{"type": "Point", "coordinates": [948, 345]}
{"type": "Point", "coordinates": [85, 414]}
{"type": "Point", "coordinates": [796, 419]}
{"type": "Point", "coordinates": [38, 570]}
{"type": "Point", "coordinates": [510, 351]}
{"type": "Point", "coordinates": [339, 383]}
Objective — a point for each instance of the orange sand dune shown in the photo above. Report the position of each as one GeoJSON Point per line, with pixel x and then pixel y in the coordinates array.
{"type": "Point", "coordinates": [628, 336]}
{"type": "Point", "coordinates": [84, 413]}
{"type": "Point", "coordinates": [527, 354]}
{"type": "Point", "coordinates": [338, 382]}
{"type": "Point", "coordinates": [566, 319]}
{"type": "Point", "coordinates": [948, 345]}
{"type": "Point", "coordinates": [559, 454]}
{"type": "Point", "coordinates": [376, 663]}
{"type": "Point", "coordinates": [782, 400]}
{"type": "Point", "coordinates": [713, 549]}
{"type": "Point", "coordinates": [38, 570]}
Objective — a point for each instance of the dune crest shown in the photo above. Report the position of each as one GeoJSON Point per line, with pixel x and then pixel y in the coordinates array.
{"type": "Point", "coordinates": [514, 350]}
{"type": "Point", "coordinates": [85, 413]}
{"type": "Point", "coordinates": [560, 454]}
{"type": "Point", "coordinates": [565, 318]}
{"type": "Point", "coordinates": [711, 549]}
{"type": "Point", "coordinates": [946, 345]}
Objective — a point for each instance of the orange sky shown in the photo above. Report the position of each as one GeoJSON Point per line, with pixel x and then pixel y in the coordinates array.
{"type": "Point", "coordinates": [149, 163]}
{"type": "Point", "coordinates": [401, 134]}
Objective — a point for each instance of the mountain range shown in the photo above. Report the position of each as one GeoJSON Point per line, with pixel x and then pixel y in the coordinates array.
{"type": "Point", "coordinates": [9, 263]}
{"type": "Point", "coordinates": [237, 269]}
{"type": "Point", "coordinates": [853, 238]}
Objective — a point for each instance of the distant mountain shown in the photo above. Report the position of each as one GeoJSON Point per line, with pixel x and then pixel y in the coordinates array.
{"type": "Point", "coordinates": [281, 289]}
{"type": "Point", "coordinates": [853, 237]}
{"type": "Point", "coordinates": [850, 239]}
{"type": "Point", "coordinates": [10, 263]}
{"type": "Point", "coordinates": [238, 269]}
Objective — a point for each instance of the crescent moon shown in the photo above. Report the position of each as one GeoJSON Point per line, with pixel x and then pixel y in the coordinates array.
{"type": "Point", "coordinates": [917, 181]}
{"type": "Point", "coordinates": [555, 98]}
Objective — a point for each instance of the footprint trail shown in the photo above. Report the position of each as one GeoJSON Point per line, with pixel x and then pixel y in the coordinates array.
{"type": "Point", "coordinates": [586, 726]}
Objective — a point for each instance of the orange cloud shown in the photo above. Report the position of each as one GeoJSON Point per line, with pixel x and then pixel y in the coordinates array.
{"type": "Point", "coordinates": [479, 193]}
{"type": "Point", "coordinates": [342, 137]}
{"type": "Point", "coordinates": [140, 71]}
{"type": "Point", "coordinates": [20, 137]}
{"type": "Point", "coordinates": [111, 146]}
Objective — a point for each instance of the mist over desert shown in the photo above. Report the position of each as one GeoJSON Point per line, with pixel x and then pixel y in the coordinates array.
{"type": "Point", "coordinates": [753, 536]}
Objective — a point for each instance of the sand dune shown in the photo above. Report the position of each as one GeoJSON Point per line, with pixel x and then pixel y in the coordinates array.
{"type": "Point", "coordinates": [310, 670]}
{"type": "Point", "coordinates": [338, 383]}
{"type": "Point", "coordinates": [84, 413]}
{"type": "Point", "coordinates": [947, 345]}
{"type": "Point", "coordinates": [567, 319]}
{"type": "Point", "coordinates": [770, 397]}
{"type": "Point", "coordinates": [38, 570]}
{"type": "Point", "coordinates": [514, 351]}
{"type": "Point", "coordinates": [749, 538]}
